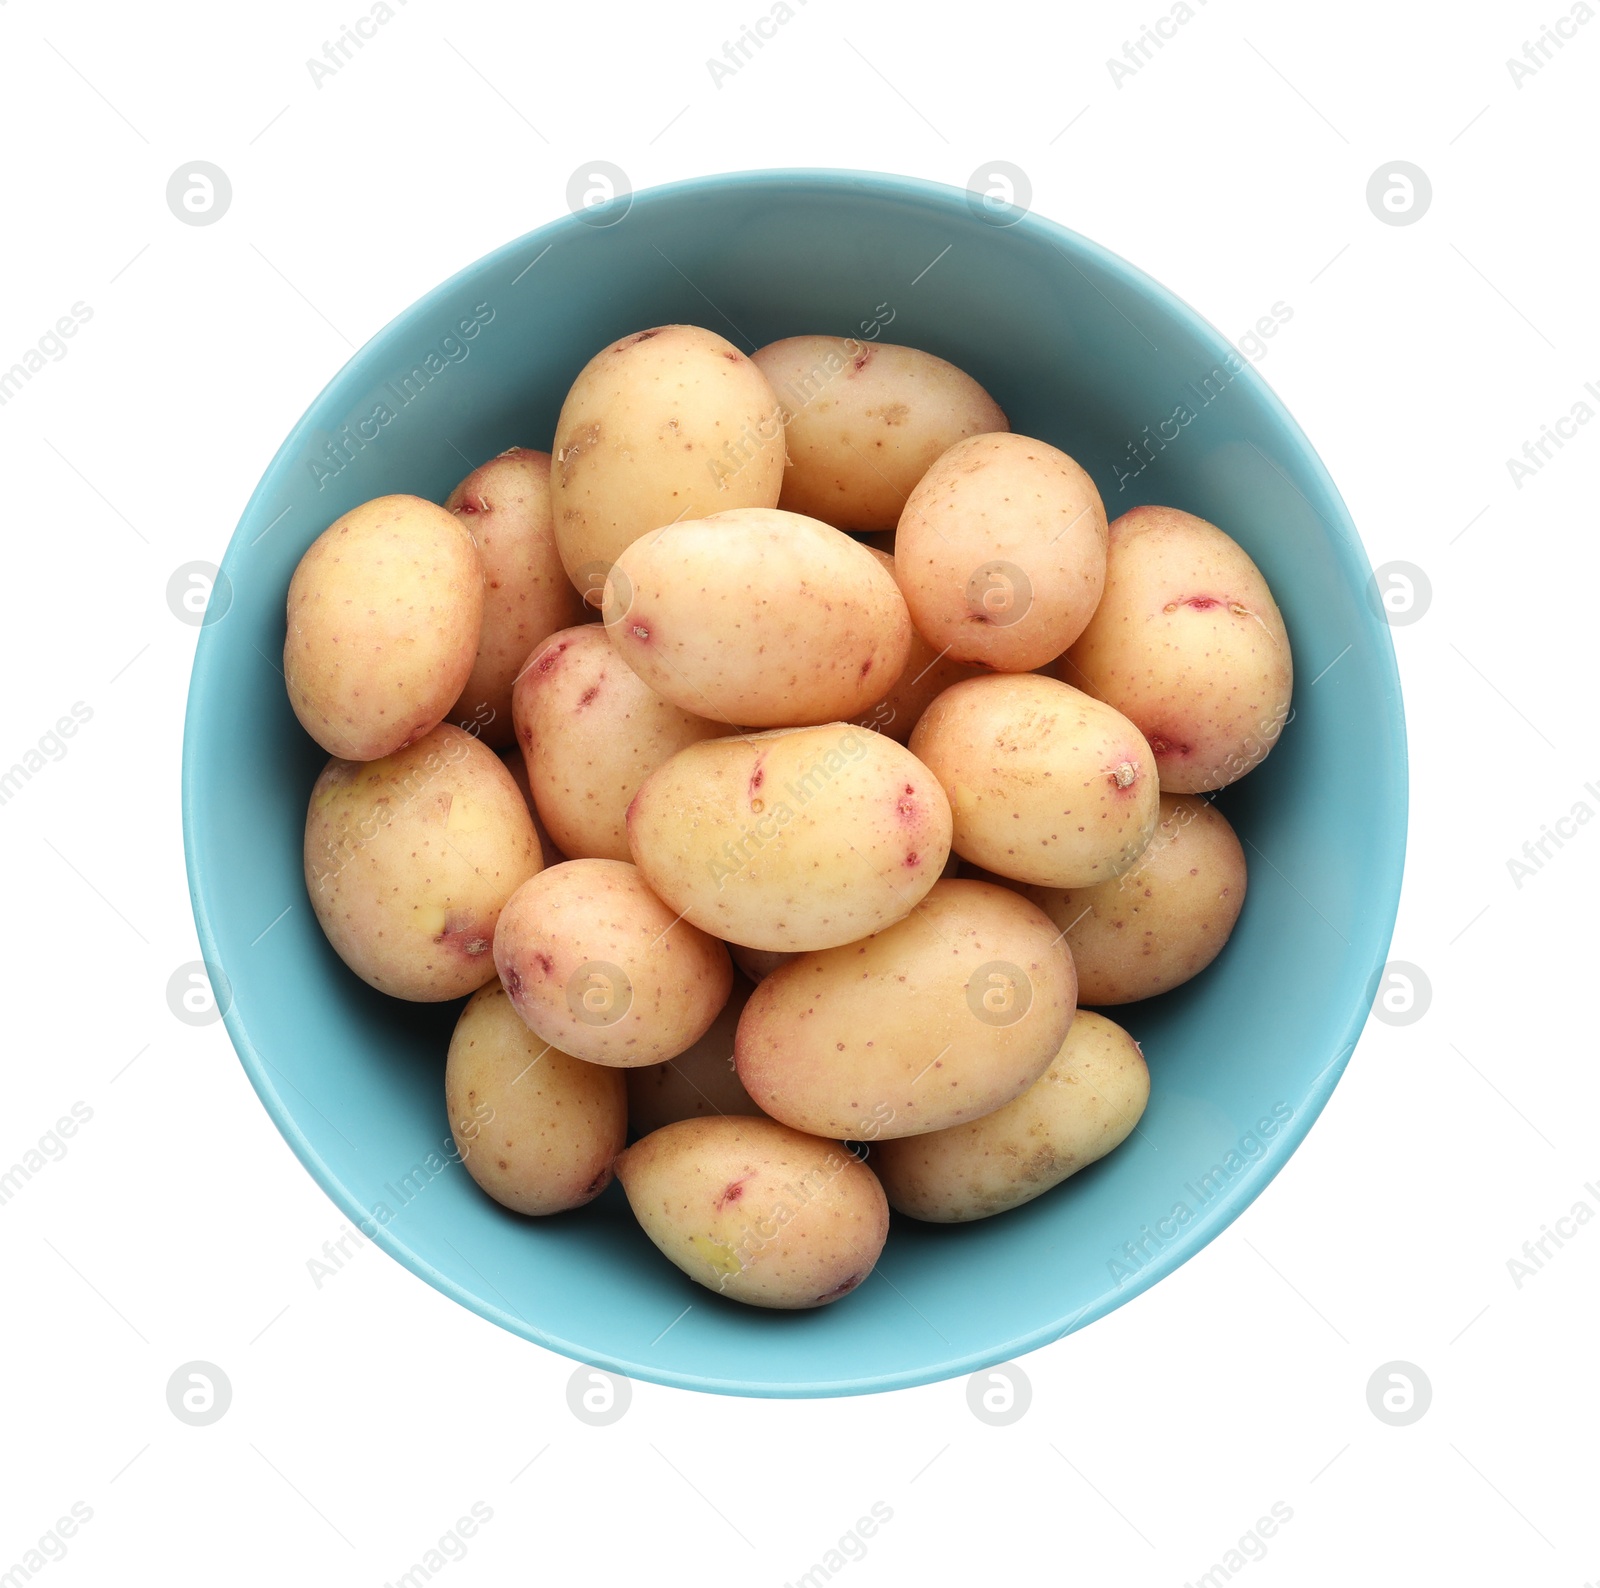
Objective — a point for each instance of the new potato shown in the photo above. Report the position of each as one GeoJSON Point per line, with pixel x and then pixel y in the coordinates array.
{"type": "Point", "coordinates": [700, 1081]}
{"type": "Point", "coordinates": [384, 614]}
{"type": "Point", "coordinates": [943, 1017]}
{"type": "Point", "coordinates": [410, 859]}
{"type": "Point", "coordinates": [1187, 643]}
{"type": "Point", "coordinates": [756, 1211]}
{"type": "Point", "coordinates": [1084, 1105]}
{"type": "Point", "coordinates": [797, 839]}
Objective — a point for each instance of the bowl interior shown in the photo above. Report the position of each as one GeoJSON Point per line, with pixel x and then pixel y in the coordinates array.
{"type": "Point", "coordinates": [1082, 351]}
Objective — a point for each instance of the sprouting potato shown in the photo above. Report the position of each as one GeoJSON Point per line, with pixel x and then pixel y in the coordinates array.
{"type": "Point", "coordinates": [384, 614]}
{"type": "Point", "coordinates": [410, 859]}
{"type": "Point", "coordinates": [796, 839]}
{"type": "Point", "coordinates": [1085, 1105]}
{"type": "Point", "coordinates": [755, 1211]}
{"type": "Point", "coordinates": [668, 423]}
{"type": "Point", "coordinates": [943, 1017]}
{"type": "Point", "coordinates": [1046, 784]}
{"type": "Point", "coordinates": [864, 421]}
{"type": "Point", "coordinates": [1188, 644]}
{"type": "Point", "coordinates": [1001, 552]}
{"type": "Point", "coordinates": [758, 618]}
{"type": "Point", "coordinates": [1164, 920]}
{"type": "Point", "coordinates": [505, 504]}
{"type": "Point", "coordinates": [591, 731]}
{"type": "Point", "coordinates": [700, 1082]}
{"type": "Point", "coordinates": [538, 1129]}
{"type": "Point", "coordinates": [598, 966]}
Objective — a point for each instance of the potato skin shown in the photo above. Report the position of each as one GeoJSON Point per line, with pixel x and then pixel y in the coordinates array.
{"type": "Point", "coordinates": [700, 1082]}
{"type": "Point", "coordinates": [1163, 921]}
{"type": "Point", "coordinates": [758, 618]}
{"type": "Point", "coordinates": [505, 505]}
{"type": "Point", "coordinates": [943, 1017]}
{"type": "Point", "coordinates": [384, 612]}
{"type": "Point", "coordinates": [673, 422]}
{"type": "Point", "coordinates": [797, 839]}
{"type": "Point", "coordinates": [1046, 784]}
{"type": "Point", "coordinates": [1002, 552]}
{"type": "Point", "coordinates": [537, 1129]}
{"type": "Point", "coordinates": [409, 861]}
{"type": "Point", "coordinates": [591, 731]}
{"type": "Point", "coordinates": [1084, 1105]}
{"type": "Point", "coordinates": [755, 1211]}
{"type": "Point", "coordinates": [599, 967]}
{"type": "Point", "coordinates": [863, 421]}
{"type": "Point", "coordinates": [1189, 645]}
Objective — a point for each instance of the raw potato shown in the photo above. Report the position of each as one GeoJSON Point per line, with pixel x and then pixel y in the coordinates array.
{"type": "Point", "coordinates": [701, 1081]}
{"type": "Point", "coordinates": [757, 1212]}
{"type": "Point", "coordinates": [591, 732]}
{"type": "Point", "coordinates": [1002, 552]}
{"type": "Point", "coordinates": [1084, 1105]}
{"type": "Point", "coordinates": [944, 1017]}
{"type": "Point", "coordinates": [384, 614]}
{"type": "Point", "coordinates": [1189, 644]}
{"type": "Point", "coordinates": [598, 966]}
{"type": "Point", "coordinates": [797, 839]}
{"type": "Point", "coordinates": [665, 424]}
{"type": "Point", "coordinates": [758, 618]}
{"type": "Point", "coordinates": [538, 1129]}
{"type": "Point", "coordinates": [1162, 922]}
{"type": "Point", "coordinates": [409, 861]}
{"type": "Point", "coordinates": [512, 759]}
{"type": "Point", "coordinates": [505, 505]}
{"type": "Point", "coordinates": [864, 421]}
{"type": "Point", "coordinates": [1046, 784]}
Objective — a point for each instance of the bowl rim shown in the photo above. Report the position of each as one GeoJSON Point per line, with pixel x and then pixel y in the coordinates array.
{"type": "Point", "coordinates": [1336, 522]}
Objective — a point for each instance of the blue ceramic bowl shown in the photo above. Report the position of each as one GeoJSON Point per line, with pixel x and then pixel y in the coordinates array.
{"type": "Point", "coordinates": [1082, 351]}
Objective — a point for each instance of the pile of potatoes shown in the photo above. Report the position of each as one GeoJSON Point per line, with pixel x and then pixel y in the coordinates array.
{"type": "Point", "coordinates": [778, 764]}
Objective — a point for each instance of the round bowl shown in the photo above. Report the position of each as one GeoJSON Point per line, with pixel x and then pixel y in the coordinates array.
{"type": "Point", "coordinates": [1082, 351]}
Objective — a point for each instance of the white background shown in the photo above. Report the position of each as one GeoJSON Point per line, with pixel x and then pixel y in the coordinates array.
{"type": "Point", "coordinates": [369, 1414]}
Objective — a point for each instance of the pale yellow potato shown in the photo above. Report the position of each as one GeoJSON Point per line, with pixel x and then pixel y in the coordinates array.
{"type": "Point", "coordinates": [512, 759]}
{"type": "Point", "coordinates": [864, 421]}
{"type": "Point", "coordinates": [699, 1083]}
{"type": "Point", "coordinates": [1164, 920]}
{"type": "Point", "coordinates": [1084, 1105]}
{"type": "Point", "coordinates": [926, 674]}
{"type": "Point", "coordinates": [409, 861]}
{"type": "Point", "coordinates": [758, 618]}
{"type": "Point", "coordinates": [758, 963]}
{"type": "Point", "coordinates": [797, 839]}
{"type": "Point", "coordinates": [1001, 552]}
{"type": "Point", "coordinates": [537, 1129]}
{"type": "Point", "coordinates": [505, 504]}
{"type": "Point", "coordinates": [669, 423]}
{"type": "Point", "coordinates": [1046, 784]}
{"type": "Point", "coordinates": [1187, 643]}
{"type": "Point", "coordinates": [755, 1211]}
{"type": "Point", "coordinates": [597, 965]}
{"type": "Point", "coordinates": [943, 1017]}
{"type": "Point", "coordinates": [591, 731]}
{"type": "Point", "coordinates": [383, 619]}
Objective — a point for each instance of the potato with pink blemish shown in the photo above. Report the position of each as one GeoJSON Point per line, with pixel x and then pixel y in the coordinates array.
{"type": "Point", "coordinates": [1188, 643]}
{"type": "Point", "coordinates": [864, 421]}
{"type": "Point", "coordinates": [591, 731]}
{"type": "Point", "coordinates": [537, 1129]}
{"type": "Point", "coordinates": [759, 618]}
{"type": "Point", "coordinates": [598, 966]}
{"type": "Point", "coordinates": [669, 423]}
{"type": "Point", "coordinates": [797, 839]}
{"type": "Point", "coordinates": [757, 1212]}
{"type": "Point", "coordinates": [1046, 784]}
{"type": "Point", "coordinates": [384, 614]}
{"type": "Point", "coordinates": [505, 504]}
{"type": "Point", "coordinates": [1001, 552]}
{"type": "Point", "coordinates": [410, 859]}
{"type": "Point", "coordinates": [700, 1083]}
